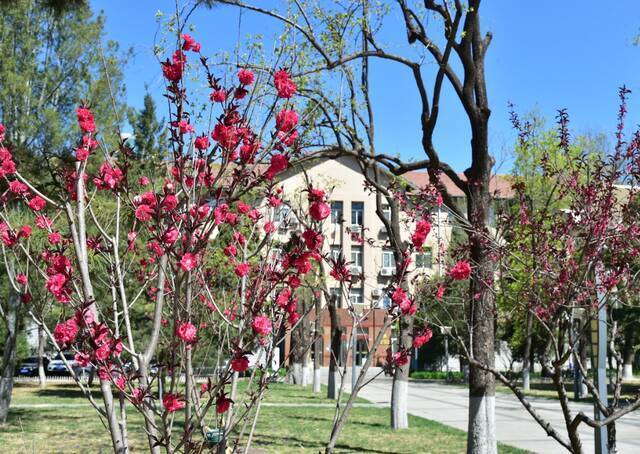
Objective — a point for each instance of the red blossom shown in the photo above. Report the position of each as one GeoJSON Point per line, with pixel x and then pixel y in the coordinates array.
{"type": "Point", "coordinates": [423, 227]}
{"type": "Point", "coordinates": [172, 402]}
{"type": "Point", "coordinates": [319, 210]}
{"type": "Point", "coordinates": [283, 83]}
{"type": "Point", "coordinates": [245, 76]}
{"type": "Point", "coordinates": [223, 404]}
{"type": "Point", "coordinates": [242, 269]}
{"type": "Point", "coordinates": [460, 271]}
{"type": "Point", "coordinates": [240, 363]}
{"type": "Point", "coordinates": [286, 120]}
{"type": "Point", "coordinates": [37, 203]}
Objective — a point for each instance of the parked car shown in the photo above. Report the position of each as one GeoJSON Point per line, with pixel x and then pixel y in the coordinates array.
{"type": "Point", "coordinates": [29, 367]}
{"type": "Point", "coordinates": [57, 367]}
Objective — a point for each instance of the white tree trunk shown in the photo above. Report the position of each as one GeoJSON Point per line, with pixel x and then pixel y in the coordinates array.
{"type": "Point", "coordinates": [481, 437]}
{"type": "Point", "coordinates": [42, 339]}
{"type": "Point", "coordinates": [399, 393]}
{"type": "Point", "coordinates": [316, 380]}
{"type": "Point", "coordinates": [9, 355]}
{"type": "Point", "coordinates": [306, 373]}
{"type": "Point", "coordinates": [627, 372]}
{"type": "Point", "coordinates": [296, 373]}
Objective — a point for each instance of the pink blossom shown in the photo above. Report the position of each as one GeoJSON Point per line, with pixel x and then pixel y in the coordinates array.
{"type": "Point", "coordinates": [144, 212]}
{"type": "Point", "coordinates": [187, 332]}
{"type": "Point", "coordinates": [261, 325]}
{"type": "Point", "coordinates": [423, 227]}
{"type": "Point", "coordinates": [65, 333]}
{"type": "Point", "coordinates": [283, 83]}
{"type": "Point", "coordinates": [188, 261]}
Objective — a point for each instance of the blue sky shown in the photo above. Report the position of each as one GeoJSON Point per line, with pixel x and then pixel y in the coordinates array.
{"type": "Point", "coordinates": [557, 54]}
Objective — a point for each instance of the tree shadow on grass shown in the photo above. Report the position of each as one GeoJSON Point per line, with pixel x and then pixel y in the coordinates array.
{"type": "Point", "coordinates": [373, 425]}
{"type": "Point", "coordinates": [269, 440]}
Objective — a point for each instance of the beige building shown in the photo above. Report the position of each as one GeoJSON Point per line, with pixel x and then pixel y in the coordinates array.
{"type": "Point", "coordinates": [354, 230]}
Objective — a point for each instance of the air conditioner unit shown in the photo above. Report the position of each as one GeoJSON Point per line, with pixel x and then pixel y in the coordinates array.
{"type": "Point", "coordinates": [387, 271]}
{"type": "Point", "coordinates": [356, 228]}
{"type": "Point", "coordinates": [293, 221]}
{"type": "Point", "coordinates": [356, 270]}
{"type": "Point", "coordinates": [376, 293]}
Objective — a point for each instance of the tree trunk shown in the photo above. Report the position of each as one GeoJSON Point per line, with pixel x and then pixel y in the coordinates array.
{"type": "Point", "coordinates": [9, 355]}
{"type": "Point", "coordinates": [336, 352]}
{"type": "Point", "coordinates": [481, 437]}
{"type": "Point", "coordinates": [526, 357]}
{"type": "Point", "coordinates": [42, 340]}
{"type": "Point", "coordinates": [400, 386]}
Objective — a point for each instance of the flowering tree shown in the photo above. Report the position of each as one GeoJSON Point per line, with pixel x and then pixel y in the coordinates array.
{"type": "Point", "coordinates": [338, 45]}
{"type": "Point", "coordinates": [580, 250]}
{"type": "Point", "coordinates": [150, 274]}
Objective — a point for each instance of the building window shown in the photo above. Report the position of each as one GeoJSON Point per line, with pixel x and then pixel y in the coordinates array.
{"type": "Point", "coordinates": [356, 296]}
{"type": "Point", "coordinates": [336, 252]}
{"type": "Point", "coordinates": [356, 256]}
{"type": "Point", "coordinates": [336, 293]}
{"type": "Point", "coordinates": [386, 212]}
{"type": "Point", "coordinates": [357, 213]}
{"type": "Point", "coordinates": [282, 213]}
{"type": "Point", "coordinates": [386, 301]}
{"type": "Point", "coordinates": [336, 212]}
{"type": "Point", "coordinates": [424, 259]}
{"type": "Point", "coordinates": [388, 259]}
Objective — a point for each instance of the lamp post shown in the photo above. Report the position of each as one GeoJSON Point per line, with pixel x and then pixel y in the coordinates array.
{"type": "Point", "coordinates": [579, 317]}
{"type": "Point", "coordinates": [599, 366]}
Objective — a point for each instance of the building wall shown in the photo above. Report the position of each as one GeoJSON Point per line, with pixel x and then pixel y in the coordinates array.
{"type": "Point", "coordinates": [342, 178]}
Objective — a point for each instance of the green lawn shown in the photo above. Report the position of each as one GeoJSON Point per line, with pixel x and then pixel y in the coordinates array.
{"type": "Point", "coordinates": [73, 427]}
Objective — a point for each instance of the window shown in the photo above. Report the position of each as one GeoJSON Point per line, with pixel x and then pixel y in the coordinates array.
{"type": "Point", "coordinates": [336, 251]}
{"type": "Point", "coordinates": [356, 296]}
{"type": "Point", "coordinates": [337, 294]}
{"type": "Point", "coordinates": [357, 213]}
{"type": "Point", "coordinates": [386, 212]}
{"type": "Point", "coordinates": [356, 256]}
{"type": "Point", "coordinates": [425, 259]}
{"type": "Point", "coordinates": [388, 259]}
{"type": "Point", "coordinates": [336, 212]}
{"type": "Point", "coordinates": [282, 213]}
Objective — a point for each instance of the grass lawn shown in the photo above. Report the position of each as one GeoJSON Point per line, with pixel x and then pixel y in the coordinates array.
{"type": "Point", "coordinates": [72, 426]}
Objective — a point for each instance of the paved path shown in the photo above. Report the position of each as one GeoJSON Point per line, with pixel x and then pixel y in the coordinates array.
{"type": "Point", "coordinates": [514, 425]}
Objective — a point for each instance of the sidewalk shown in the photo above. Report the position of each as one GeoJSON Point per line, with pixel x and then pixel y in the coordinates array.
{"type": "Point", "coordinates": [515, 426]}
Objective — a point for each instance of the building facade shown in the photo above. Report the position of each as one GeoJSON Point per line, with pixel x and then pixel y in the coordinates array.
{"type": "Point", "coordinates": [355, 231]}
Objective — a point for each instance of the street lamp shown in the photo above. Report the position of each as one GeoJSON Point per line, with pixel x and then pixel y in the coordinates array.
{"type": "Point", "coordinates": [446, 330]}
{"type": "Point", "coordinates": [599, 367]}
